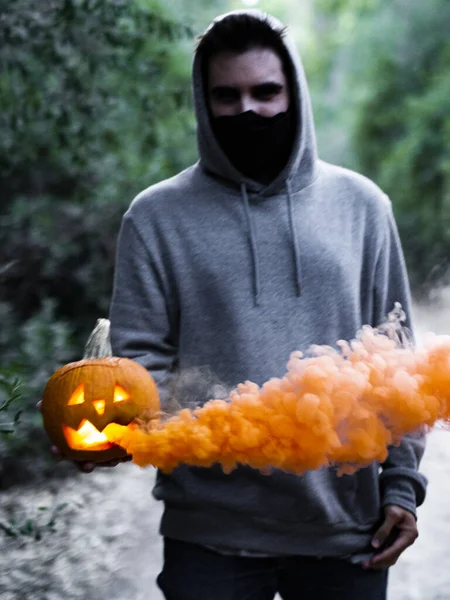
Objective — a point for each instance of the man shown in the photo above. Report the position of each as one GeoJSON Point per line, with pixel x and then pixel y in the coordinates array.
{"type": "Point", "coordinates": [258, 250]}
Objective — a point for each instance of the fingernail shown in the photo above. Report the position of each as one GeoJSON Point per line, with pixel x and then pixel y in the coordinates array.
{"type": "Point", "coordinates": [376, 543]}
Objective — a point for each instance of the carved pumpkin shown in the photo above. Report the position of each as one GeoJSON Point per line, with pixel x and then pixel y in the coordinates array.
{"type": "Point", "coordinates": [82, 398]}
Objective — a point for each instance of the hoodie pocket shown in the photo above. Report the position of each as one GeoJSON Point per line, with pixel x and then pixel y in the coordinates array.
{"type": "Point", "coordinates": [320, 497]}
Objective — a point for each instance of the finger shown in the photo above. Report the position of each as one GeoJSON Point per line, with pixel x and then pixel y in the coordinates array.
{"type": "Point", "coordinates": [382, 534]}
{"type": "Point", "coordinates": [115, 461]}
{"type": "Point", "coordinates": [109, 463]}
{"type": "Point", "coordinates": [56, 452]}
{"type": "Point", "coordinates": [86, 467]}
{"type": "Point", "coordinates": [39, 405]}
{"type": "Point", "coordinates": [389, 557]}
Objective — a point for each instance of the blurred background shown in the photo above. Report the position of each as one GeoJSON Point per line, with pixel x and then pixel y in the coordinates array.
{"type": "Point", "coordinates": [95, 105]}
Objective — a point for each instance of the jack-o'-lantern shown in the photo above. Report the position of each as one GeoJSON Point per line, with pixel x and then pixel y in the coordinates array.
{"type": "Point", "coordinates": [82, 398]}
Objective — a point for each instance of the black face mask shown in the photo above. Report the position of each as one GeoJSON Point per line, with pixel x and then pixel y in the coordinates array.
{"type": "Point", "coordinates": [259, 147]}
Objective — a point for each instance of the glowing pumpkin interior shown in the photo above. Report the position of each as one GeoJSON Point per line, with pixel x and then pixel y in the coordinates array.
{"type": "Point", "coordinates": [87, 436]}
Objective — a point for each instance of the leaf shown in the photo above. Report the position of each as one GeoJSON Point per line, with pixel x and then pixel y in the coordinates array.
{"type": "Point", "coordinates": [8, 529]}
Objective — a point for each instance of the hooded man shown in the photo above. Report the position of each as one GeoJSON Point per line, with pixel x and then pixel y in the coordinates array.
{"type": "Point", "coordinates": [256, 251]}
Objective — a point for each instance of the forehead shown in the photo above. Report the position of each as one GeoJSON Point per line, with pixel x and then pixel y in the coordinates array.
{"type": "Point", "coordinates": [248, 68]}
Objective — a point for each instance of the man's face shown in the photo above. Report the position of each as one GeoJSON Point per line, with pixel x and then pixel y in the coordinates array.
{"type": "Point", "coordinates": [253, 80]}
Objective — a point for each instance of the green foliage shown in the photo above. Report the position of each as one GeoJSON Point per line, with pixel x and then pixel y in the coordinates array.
{"type": "Point", "coordinates": [35, 526]}
{"type": "Point", "coordinates": [37, 347]}
{"type": "Point", "coordinates": [95, 105]}
{"type": "Point", "coordinates": [9, 396]}
{"type": "Point", "coordinates": [348, 9]}
{"type": "Point", "coordinates": [381, 82]}
{"type": "Point", "coordinates": [31, 351]}
{"type": "Point", "coordinates": [402, 131]}
{"type": "Point", "coordinates": [197, 14]}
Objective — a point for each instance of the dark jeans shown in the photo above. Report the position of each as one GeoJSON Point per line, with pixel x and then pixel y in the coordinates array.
{"type": "Point", "coordinates": [191, 572]}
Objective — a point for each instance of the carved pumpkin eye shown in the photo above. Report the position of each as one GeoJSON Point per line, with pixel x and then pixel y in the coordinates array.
{"type": "Point", "coordinates": [120, 394]}
{"type": "Point", "coordinates": [78, 396]}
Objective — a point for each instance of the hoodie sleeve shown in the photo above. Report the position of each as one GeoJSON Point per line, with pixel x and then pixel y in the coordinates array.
{"type": "Point", "coordinates": [400, 481]}
{"type": "Point", "coordinates": [143, 310]}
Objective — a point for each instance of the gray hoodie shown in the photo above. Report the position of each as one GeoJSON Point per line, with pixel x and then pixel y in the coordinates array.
{"type": "Point", "coordinates": [215, 270]}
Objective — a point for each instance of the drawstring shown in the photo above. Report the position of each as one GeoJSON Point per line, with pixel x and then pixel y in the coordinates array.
{"type": "Point", "coordinates": [294, 235]}
{"type": "Point", "coordinates": [256, 280]}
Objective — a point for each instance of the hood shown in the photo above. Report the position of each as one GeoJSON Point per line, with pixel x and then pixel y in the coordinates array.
{"type": "Point", "coordinates": [301, 166]}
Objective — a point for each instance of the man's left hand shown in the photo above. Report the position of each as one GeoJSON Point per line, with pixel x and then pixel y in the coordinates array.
{"type": "Point", "coordinates": [398, 531]}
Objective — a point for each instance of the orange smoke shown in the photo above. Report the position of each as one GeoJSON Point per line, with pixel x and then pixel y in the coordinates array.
{"type": "Point", "coordinates": [336, 407]}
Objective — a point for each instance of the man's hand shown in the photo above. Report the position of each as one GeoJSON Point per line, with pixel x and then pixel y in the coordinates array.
{"type": "Point", "coordinates": [88, 466]}
{"type": "Point", "coordinates": [398, 531]}
{"type": "Point", "coordinates": [85, 466]}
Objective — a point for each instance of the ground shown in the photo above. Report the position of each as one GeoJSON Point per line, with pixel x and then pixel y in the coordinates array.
{"type": "Point", "coordinates": [106, 542]}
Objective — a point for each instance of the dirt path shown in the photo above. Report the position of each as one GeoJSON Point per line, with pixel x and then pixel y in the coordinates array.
{"type": "Point", "coordinates": [105, 543]}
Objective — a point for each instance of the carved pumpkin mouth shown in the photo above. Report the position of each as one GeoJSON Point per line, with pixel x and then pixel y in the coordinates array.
{"type": "Point", "coordinates": [86, 437]}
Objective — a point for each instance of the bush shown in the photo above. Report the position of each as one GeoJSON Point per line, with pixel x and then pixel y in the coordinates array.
{"type": "Point", "coordinates": [95, 105]}
{"type": "Point", "coordinates": [30, 354]}
{"type": "Point", "coordinates": [402, 130]}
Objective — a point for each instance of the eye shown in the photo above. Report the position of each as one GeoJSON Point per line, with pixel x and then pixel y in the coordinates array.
{"type": "Point", "coordinates": [267, 91]}
{"type": "Point", "coordinates": [225, 95]}
{"type": "Point", "coordinates": [120, 394]}
{"type": "Point", "coordinates": [265, 95]}
{"type": "Point", "coordinates": [78, 396]}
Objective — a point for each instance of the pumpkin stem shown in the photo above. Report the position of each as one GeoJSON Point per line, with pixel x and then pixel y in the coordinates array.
{"type": "Point", "coordinates": [99, 343]}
